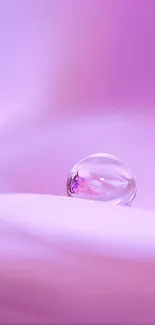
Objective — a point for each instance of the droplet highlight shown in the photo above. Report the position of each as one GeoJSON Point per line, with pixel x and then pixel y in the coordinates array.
{"type": "Point", "coordinates": [102, 177]}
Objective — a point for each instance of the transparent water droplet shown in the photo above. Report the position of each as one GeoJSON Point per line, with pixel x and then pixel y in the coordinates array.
{"type": "Point", "coordinates": [102, 177]}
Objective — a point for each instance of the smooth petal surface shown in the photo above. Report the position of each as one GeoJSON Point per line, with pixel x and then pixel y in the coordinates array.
{"type": "Point", "coordinates": [66, 261]}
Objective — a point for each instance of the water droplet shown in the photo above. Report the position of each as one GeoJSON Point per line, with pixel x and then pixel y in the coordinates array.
{"type": "Point", "coordinates": [102, 177]}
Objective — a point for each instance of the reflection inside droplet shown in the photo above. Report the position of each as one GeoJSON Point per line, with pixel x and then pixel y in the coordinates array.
{"type": "Point", "coordinates": [102, 177]}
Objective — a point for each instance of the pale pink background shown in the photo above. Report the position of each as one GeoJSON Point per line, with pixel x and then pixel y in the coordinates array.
{"type": "Point", "coordinates": [76, 77]}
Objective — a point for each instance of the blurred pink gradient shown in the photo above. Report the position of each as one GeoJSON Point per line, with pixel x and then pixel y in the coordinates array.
{"type": "Point", "coordinates": [76, 77]}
